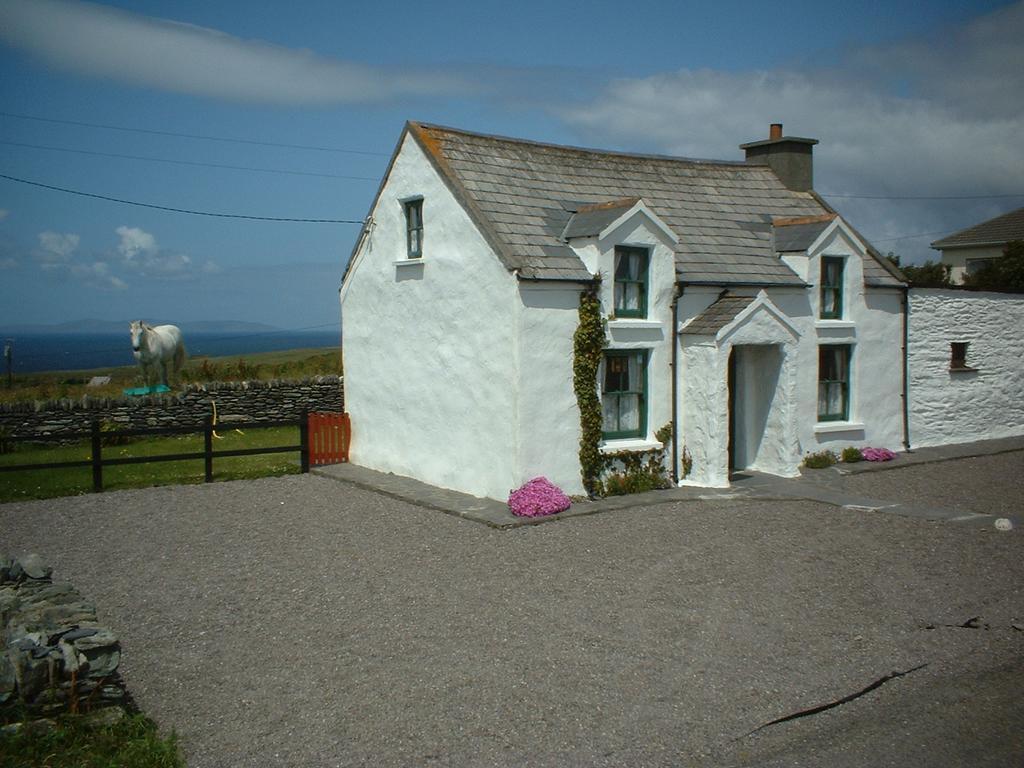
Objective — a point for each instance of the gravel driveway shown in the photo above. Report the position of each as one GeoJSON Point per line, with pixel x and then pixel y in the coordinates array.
{"type": "Point", "coordinates": [299, 621]}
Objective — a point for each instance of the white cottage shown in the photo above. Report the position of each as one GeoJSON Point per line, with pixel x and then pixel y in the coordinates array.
{"type": "Point", "coordinates": [745, 318]}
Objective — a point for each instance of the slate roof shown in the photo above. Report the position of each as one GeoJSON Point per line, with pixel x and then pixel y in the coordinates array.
{"type": "Point", "coordinates": [997, 231]}
{"type": "Point", "coordinates": [591, 220]}
{"type": "Point", "coordinates": [799, 234]}
{"type": "Point", "coordinates": [523, 195]}
{"type": "Point", "coordinates": [717, 316]}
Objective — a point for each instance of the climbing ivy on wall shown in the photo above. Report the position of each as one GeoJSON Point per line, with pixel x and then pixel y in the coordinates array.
{"type": "Point", "coordinates": [588, 344]}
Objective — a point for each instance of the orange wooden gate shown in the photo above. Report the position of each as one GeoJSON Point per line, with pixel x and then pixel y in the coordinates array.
{"type": "Point", "coordinates": [329, 437]}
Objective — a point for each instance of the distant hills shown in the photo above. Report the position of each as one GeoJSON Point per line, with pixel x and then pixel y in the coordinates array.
{"type": "Point", "coordinates": [95, 327]}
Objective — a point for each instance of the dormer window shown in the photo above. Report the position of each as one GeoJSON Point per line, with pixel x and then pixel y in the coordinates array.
{"type": "Point", "coordinates": [414, 227]}
{"type": "Point", "coordinates": [831, 287]}
{"type": "Point", "coordinates": [631, 282]}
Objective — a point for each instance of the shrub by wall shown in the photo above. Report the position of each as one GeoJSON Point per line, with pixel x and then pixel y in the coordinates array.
{"type": "Point", "coordinates": [234, 401]}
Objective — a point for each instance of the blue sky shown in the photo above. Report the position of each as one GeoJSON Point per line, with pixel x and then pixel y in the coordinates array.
{"type": "Point", "coordinates": [911, 101]}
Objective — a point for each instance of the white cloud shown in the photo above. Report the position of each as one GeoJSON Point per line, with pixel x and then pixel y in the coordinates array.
{"type": "Point", "coordinates": [140, 253]}
{"type": "Point", "coordinates": [135, 241]}
{"type": "Point", "coordinates": [4, 213]}
{"type": "Point", "coordinates": [56, 248]}
{"type": "Point", "coordinates": [919, 118]}
{"type": "Point", "coordinates": [8, 262]}
{"type": "Point", "coordinates": [185, 58]}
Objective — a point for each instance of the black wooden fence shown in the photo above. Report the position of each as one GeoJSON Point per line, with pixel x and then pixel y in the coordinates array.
{"type": "Point", "coordinates": [98, 435]}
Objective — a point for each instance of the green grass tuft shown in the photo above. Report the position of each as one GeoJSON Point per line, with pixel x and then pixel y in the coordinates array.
{"type": "Point", "coordinates": [851, 455]}
{"type": "Point", "coordinates": [132, 742]}
{"type": "Point", "coordinates": [820, 460]}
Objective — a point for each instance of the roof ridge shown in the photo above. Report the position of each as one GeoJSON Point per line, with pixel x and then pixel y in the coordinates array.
{"type": "Point", "coordinates": [587, 150]}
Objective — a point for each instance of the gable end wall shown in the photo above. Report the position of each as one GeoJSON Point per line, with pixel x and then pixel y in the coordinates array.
{"type": "Point", "coordinates": [430, 348]}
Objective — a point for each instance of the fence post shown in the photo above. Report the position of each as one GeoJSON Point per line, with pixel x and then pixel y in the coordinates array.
{"type": "Point", "coordinates": [304, 440]}
{"type": "Point", "coordinates": [97, 457]}
{"type": "Point", "coordinates": [208, 449]}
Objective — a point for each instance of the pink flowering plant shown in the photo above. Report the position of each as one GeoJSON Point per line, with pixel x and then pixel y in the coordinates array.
{"type": "Point", "coordinates": [877, 454]}
{"type": "Point", "coordinates": [537, 498]}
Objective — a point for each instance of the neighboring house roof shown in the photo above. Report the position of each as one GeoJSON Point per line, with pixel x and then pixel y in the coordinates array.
{"type": "Point", "coordinates": [529, 198]}
{"type": "Point", "coordinates": [997, 231]}
{"type": "Point", "coordinates": [718, 315]}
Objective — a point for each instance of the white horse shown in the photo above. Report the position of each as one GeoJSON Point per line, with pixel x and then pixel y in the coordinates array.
{"type": "Point", "coordinates": [157, 346]}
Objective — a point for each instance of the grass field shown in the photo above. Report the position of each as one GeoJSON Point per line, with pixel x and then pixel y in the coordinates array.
{"type": "Point", "coordinates": [284, 364]}
{"type": "Point", "coordinates": [48, 483]}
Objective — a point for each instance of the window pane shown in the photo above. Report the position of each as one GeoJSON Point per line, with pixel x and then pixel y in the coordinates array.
{"type": "Point", "coordinates": [636, 372]}
{"type": "Point", "coordinates": [632, 296]}
{"type": "Point", "coordinates": [609, 409]}
{"type": "Point", "coordinates": [629, 412]}
{"type": "Point", "coordinates": [829, 305]}
{"type": "Point", "coordinates": [635, 265]}
{"type": "Point", "coordinates": [621, 266]}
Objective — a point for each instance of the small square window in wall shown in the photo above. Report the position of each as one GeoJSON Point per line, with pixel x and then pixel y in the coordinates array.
{"type": "Point", "coordinates": [958, 356]}
{"type": "Point", "coordinates": [630, 282]}
{"type": "Point", "coordinates": [414, 228]}
{"type": "Point", "coordinates": [831, 287]}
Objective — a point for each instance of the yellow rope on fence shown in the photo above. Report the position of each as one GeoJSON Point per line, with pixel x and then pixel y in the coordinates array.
{"type": "Point", "coordinates": [214, 404]}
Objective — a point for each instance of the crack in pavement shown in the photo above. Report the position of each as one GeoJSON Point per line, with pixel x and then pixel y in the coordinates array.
{"type": "Point", "coordinates": [833, 704]}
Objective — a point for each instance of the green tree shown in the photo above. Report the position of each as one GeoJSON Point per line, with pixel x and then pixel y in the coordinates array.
{"type": "Point", "coordinates": [1003, 274]}
{"type": "Point", "coordinates": [928, 275]}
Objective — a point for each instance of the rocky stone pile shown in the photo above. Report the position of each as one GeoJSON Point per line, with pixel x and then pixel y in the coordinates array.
{"type": "Point", "coordinates": [56, 657]}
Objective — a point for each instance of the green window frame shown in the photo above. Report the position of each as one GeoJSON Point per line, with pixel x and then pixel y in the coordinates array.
{"type": "Point", "coordinates": [624, 394]}
{"type": "Point", "coordinates": [834, 382]}
{"type": "Point", "coordinates": [832, 287]}
{"type": "Point", "coordinates": [631, 281]}
{"type": "Point", "coordinates": [414, 228]}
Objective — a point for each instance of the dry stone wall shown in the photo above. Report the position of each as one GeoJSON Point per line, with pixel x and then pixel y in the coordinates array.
{"type": "Point", "coordinates": [960, 405]}
{"type": "Point", "coordinates": [55, 657]}
{"type": "Point", "coordinates": [246, 401]}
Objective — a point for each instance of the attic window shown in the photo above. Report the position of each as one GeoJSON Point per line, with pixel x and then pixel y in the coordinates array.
{"type": "Point", "coordinates": [831, 288]}
{"type": "Point", "coordinates": [630, 282]}
{"type": "Point", "coordinates": [958, 356]}
{"type": "Point", "coordinates": [414, 227]}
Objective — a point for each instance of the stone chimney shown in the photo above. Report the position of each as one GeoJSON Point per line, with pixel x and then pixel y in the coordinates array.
{"type": "Point", "coordinates": [791, 157]}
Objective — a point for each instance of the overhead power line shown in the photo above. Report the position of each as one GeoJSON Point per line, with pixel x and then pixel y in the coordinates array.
{"type": "Point", "coordinates": [921, 197]}
{"type": "Point", "coordinates": [184, 162]}
{"type": "Point", "coordinates": [202, 137]}
{"type": "Point", "coordinates": [179, 210]}
{"type": "Point", "coordinates": [909, 237]}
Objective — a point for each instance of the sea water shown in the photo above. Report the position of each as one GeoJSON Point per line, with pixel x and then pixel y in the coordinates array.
{"type": "Point", "coordinates": [67, 352]}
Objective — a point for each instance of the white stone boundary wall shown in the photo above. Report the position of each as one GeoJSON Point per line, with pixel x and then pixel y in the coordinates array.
{"type": "Point", "coordinates": [235, 401]}
{"type": "Point", "coordinates": [958, 406]}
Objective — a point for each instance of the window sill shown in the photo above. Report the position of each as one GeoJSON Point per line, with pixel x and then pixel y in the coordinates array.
{"type": "Point", "coordinates": [834, 324]}
{"type": "Point", "coordinates": [630, 444]}
{"type": "Point", "coordinates": [634, 322]}
{"type": "Point", "coordinates": [825, 427]}
{"type": "Point", "coordinates": [963, 369]}
{"type": "Point", "coordinates": [408, 262]}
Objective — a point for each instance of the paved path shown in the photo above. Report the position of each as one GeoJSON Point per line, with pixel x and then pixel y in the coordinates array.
{"type": "Point", "coordinates": [300, 621]}
{"type": "Point", "coordinates": [828, 486]}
